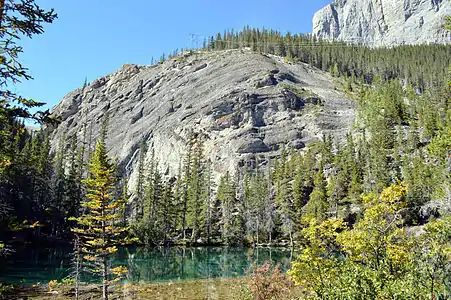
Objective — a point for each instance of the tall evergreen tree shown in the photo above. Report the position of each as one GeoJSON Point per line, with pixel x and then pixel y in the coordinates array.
{"type": "Point", "coordinates": [97, 227]}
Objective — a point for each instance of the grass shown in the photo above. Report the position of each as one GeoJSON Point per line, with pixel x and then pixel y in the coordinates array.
{"type": "Point", "coordinates": [217, 288]}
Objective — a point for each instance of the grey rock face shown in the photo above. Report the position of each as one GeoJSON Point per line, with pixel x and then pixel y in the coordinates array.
{"type": "Point", "coordinates": [245, 105]}
{"type": "Point", "coordinates": [383, 22]}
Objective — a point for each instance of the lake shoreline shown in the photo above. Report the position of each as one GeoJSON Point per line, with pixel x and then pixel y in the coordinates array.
{"type": "Point", "coordinates": [27, 267]}
{"type": "Point", "coordinates": [212, 288]}
{"type": "Point", "coordinates": [50, 241]}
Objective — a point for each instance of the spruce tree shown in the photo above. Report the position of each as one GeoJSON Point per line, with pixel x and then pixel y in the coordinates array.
{"type": "Point", "coordinates": [227, 197]}
{"type": "Point", "coordinates": [196, 192]}
{"type": "Point", "coordinates": [140, 178]}
{"type": "Point", "coordinates": [317, 207]}
{"type": "Point", "coordinates": [72, 197]}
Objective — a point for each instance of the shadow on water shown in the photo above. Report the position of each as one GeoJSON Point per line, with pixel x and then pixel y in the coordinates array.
{"type": "Point", "coordinates": [30, 266]}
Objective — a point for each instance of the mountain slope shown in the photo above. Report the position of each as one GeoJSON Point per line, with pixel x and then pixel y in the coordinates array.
{"type": "Point", "coordinates": [244, 105]}
{"type": "Point", "coordinates": [383, 22]}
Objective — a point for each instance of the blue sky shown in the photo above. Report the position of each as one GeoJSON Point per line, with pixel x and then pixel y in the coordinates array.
{"type": "Point", "coordinates": [92, 38]}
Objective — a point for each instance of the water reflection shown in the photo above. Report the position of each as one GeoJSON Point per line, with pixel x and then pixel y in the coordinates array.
{"type": "Point", "coordinates": [158, 264]}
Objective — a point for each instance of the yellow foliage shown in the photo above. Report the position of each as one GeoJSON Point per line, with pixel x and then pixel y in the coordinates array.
{"type": "Point", "coordinates": [377, 258]}
{"type": "Point", "coordinates": [119, 271]}
{"type": "Point", "coordinates": [394, 193]}
{"type": "Point", "coordinates": [52, 285]}
{"type": "Point", "coordinates": [5, 163]}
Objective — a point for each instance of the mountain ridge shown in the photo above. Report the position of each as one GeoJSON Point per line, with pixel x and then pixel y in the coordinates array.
{"type": "Point", "coordinates": [383, 22]}
{"type": "Point", "coordinates": [246, 105]}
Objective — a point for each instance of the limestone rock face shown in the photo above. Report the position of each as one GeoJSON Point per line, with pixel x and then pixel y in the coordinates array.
{"type": "Point", "coordinates": [383, 22]}
{"type": "Point", "coordinates": [244, 105]}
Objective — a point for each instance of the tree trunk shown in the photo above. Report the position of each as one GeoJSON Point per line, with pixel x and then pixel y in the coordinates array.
{"type": "Point", "coordinates": [77, 267]}
{"type": "Point", "coordinates": [104, 258]}
{"type": "Point", "coordinates": [184, 218]}
{"type": "Point", "coordinates": [257, 230]}
{"type": "Point", "coordinates": [77, 280]}
{"type": "Point", "coordinates": [105, 278]}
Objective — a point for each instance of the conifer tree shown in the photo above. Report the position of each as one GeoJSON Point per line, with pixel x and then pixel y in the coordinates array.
{"type": "Point", "coordinates": [150, 227]}
{"type": "Point", "coordinates": [178, 199]}
{"type": "Point", "coordinates": [317, 207]}
{"type": "Point", "coordinates": [43, 184]}
{"type": "Point", "coordinates": [140, 180]}
{"type": "Point", "coordinates": [72, 197]}
{"type": "Point", "coordinates": [256, 196]}
{"type": "Point", "coordinates": [168, 209]}
{"type": "Point", "coordinates": [230, 223]}
{"type": "Point", "coordinates": [283, 196]}
{"type": "Point", "coordinates": [97, 227]}
{"type": "Point", "coordinates": [210, 203]}
{"type": "Point", "coordinates": [196, 192]}
{"type": "Point", "coordinates": [186, 180]}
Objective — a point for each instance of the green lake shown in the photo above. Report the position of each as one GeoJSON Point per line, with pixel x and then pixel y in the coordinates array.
{"type": "Point", "coordinates": [29, 266]}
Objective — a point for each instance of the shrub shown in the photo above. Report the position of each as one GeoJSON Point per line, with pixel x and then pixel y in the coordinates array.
{"type": "Point", "coordinates": [266, 282]}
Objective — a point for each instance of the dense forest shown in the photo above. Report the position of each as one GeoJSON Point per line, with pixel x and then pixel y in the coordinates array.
{"type": "Point", "coordinates": [416, 65]}
{"type": "Point", "coordinates": [391, 173]}
{"type": "Point", "coordinates": [394, 141]}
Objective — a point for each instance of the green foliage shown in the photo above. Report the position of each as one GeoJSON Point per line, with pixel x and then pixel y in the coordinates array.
{"type": "Point", "coordinates": [18, 19]}
{"type": "Point", "coordinates": [420, 66]}
{"type": "Point", "coordinates": [377, 258]}
{"type": "Point", "coordinates": [256, 197]}
{"type": "Point", "coordinates": [197, 190]}
{"type": "Point", "coordinates": [232, 223]}
{"type": "Point", "coordinates": [318, 207]}
{"type": "Point", "coordinates": [97, 227]}
{"type": "Point", "coordinates": [5, 289]}
{"type": "Point", "coordinates": [448, 22]}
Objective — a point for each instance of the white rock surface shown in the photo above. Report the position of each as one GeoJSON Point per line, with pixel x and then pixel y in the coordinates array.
{"type": "Point", "coordinates": [383, 22]}
{"type": "Point", "coordinates": [238, 100]}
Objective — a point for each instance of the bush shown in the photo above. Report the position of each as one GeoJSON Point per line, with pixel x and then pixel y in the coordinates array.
{"type": "Point", "coordinates": [377, 258]}
{"type": "Point", "coordinates": [266, 282]}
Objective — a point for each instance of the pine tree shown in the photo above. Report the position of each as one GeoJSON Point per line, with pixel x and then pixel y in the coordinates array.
{"type": "Point", "coordinates": [140, 180]}
{"type": "Point", "coordinates": [168, 205]}
{"type": "Point", "coordinates": [227, 197]}
{"type": "Point", "coordinates": [186, 180]}
{"type": "Point", "coordinates": [283, 196]}
{"type": "Point", "coordinates": [210, 205]}
{"type": "Point", "coordinates": [255, 197]}
{"type": "Point", "coordinates": [72, 197]}
{"type": "Point", "coordinates": [317, 207]}
{"type": "Point", "coordinates": [97, 227]}
{"type": "Point", "coordinates": [178, 200]}
{"type": "Point", "coordinates": [150, 227]}
{"type": "Point", "coordinates": [43, 184]}
{"type": "Point", "coordinates": [197, 191]}
{"type": "Point", "coordinates": [19, 19]}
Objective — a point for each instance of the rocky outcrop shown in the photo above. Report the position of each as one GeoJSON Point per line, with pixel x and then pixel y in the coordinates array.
{"type": "Point", "coordinates": [383, 22]}
{"type": "Point", "coordinates": [245, 105]}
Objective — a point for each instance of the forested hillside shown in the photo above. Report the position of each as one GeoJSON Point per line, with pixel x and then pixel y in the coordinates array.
{"type": "Point", "coordinates": [391, 170]}
{"type": "Point", "coordinates": [419, 65]}
{"type": "Point", "coordinates": [399, 135]}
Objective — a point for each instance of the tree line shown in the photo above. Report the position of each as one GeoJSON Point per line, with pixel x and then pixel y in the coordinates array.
{"type": "Point", "coordinates": [394, 141]}
{"type": "Point", "coordinates": [419, 66]}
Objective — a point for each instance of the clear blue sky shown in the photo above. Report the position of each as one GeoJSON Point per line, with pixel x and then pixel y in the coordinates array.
{"type": "Point", "coordinates": [92, 38]}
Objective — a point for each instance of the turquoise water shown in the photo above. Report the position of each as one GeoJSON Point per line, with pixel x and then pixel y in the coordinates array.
{"type": "Point", "coordinates": [29, 266]}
